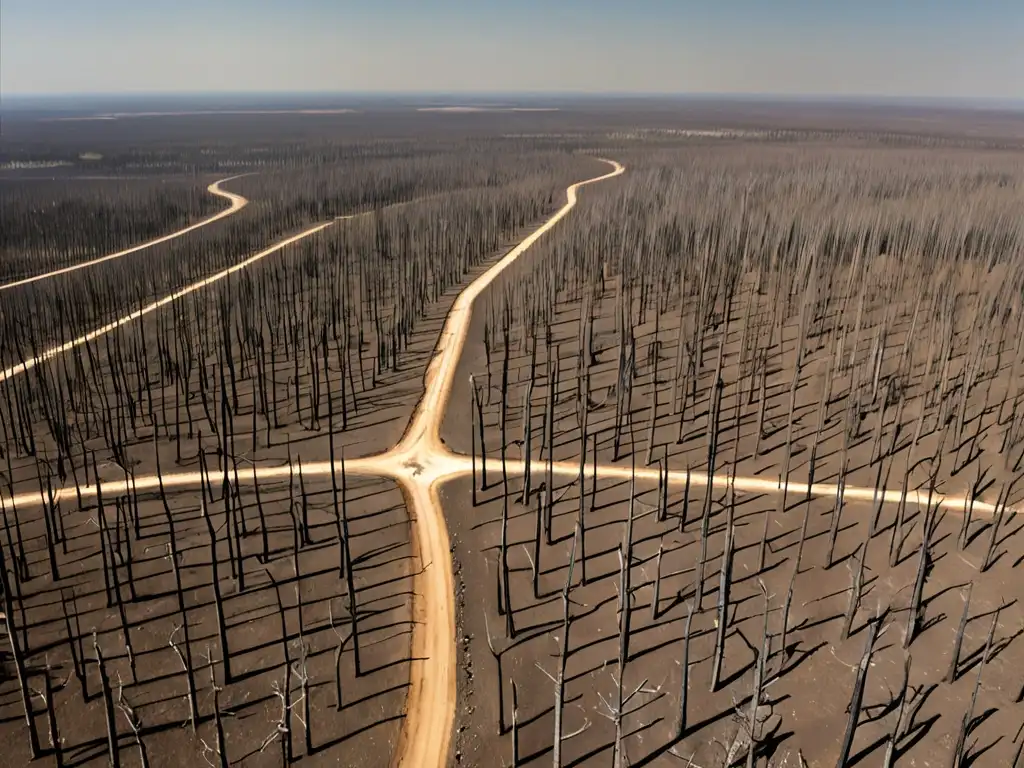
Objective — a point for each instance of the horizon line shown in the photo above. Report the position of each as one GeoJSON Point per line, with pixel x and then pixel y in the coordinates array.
{"type": "Point", "coordinates": [522, 93]}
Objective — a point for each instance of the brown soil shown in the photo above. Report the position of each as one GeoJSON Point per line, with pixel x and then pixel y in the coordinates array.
{"type": "Point", "coordinates": [813, 677]}
{"type": "Point", "coordinates": [814, 674]}
{"type": "Point", "coordinates": [369, 721]}
{"type": "Point", "coordinates": [372, 700]}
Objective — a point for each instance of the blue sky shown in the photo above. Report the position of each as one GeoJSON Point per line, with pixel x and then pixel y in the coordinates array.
{"type": "Point", "coordinates": [941, 48]}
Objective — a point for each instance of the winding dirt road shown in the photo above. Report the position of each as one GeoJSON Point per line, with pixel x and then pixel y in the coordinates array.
{"type": "Point", "coordinates": [424, 464]}
{"type": "Point", "coordinates": [237, 203]}
{"type": "Point", "coordinates": [420, 463]}
{"type": "Point", "coordinates": [53, 352]}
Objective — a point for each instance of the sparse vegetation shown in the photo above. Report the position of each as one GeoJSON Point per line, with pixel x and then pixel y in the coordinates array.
{"type": "Point", "coordinates": [723, 449]}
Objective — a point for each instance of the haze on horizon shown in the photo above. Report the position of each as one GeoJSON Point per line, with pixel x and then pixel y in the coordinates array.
{"type": "Point", "coordinates": [914, 48]}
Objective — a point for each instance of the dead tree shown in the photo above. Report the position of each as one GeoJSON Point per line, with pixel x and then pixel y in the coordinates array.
{"type": "Point", "coordinates": [338, 651]}
{"type": "Point", "coordinates": [713, 416]}
{"type": "Point", "coordinates": [757, 690]}
{"type": "Point", "coordinates": [684, 672]}
{"type": "Point", "coordinates": [923, 566]}
{"type": "Point", "coordinates": [478, 403]}
{"type": "Point", "coordinates": [222, 627]}
{"type": "Point", "coordinates": [108, 706]}
{"type": "Point", "coordinates": [186, 656]}
{"type": "Point", "coordinates": [958, 641]}
{"type": "Point", "coordinates": [134, 723]}
{"type": "Point", "coordinates": [56, 743]}
{"type": "Point", "coordinates": [857, 700]}
{"type": "Point", "coordinates": [723, 609]}
{"type": "Point", "coordinates": [559, 677]}
{"type": "Point", "coordinates": [967, 724]}
{"type": "Point", "coordinates": [19, 660]}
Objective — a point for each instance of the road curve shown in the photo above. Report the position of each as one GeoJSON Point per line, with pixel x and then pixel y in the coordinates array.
{"type": "Point", "coordinates": [237, 203]}
{"type": "Point", "coordinates": [49, 354]}
{"type": "Point", "coordinates": [426, 420]}
{"type": "Point", "coordinates": [431, 698]}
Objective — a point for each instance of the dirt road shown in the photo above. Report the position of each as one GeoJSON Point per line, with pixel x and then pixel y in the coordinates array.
{"type": "Point", "coordinates": [424, 464]}
{"type": "Point", "coordinates": [237, 203]}
{"type": "Point", "coordinates": [51, 353]}
{"type": "Point", "coordinates": [420, 464]}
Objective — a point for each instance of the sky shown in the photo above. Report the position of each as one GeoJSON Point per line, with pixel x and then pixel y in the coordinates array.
{"type": "Point", "coordinates": [919, 48]}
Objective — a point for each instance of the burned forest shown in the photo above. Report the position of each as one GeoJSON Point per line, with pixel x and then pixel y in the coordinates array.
{"type": "Point", "coordinates": [582, 437]}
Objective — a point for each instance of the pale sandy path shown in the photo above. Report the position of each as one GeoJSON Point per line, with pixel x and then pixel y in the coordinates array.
{"type": "Point", "coordinates": [444, 465]}
{"type": "Point", "coordinates": [425, 463]}
{"type": "Point", "coordinates": [53, 352]}
{"type": "Point", "coordinates": [237, 203]}
{"type": "Point", "coordinates": [420, 464]}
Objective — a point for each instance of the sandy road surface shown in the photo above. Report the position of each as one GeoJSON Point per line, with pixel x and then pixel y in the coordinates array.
{"type": "Point", "coordinates": [445, 465]}
{"type": "Point", "coordinates": [425, 463]}
{"type": "Point", "coordinates": [420, 464]}
{"type": "Point", "coordinates": [53, 352]}
{"type": "Point", "coordinates": [237, 203]}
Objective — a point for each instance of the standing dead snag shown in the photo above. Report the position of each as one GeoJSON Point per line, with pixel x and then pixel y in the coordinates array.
{"type": "Point", "coordinates": [899, 729]}
{"type": "Point", "coordinates": [338, 512]}
{"type": "Point", "coordinates": [222, 627]}
{"type": "Point", "coordinates": [625, 567]}
{"type": "Point", "coordinates": [497, 654]}
{"type": "Point", "coordinates": [785, 612]}
{"type": "Point", "coordinates": [74, 641]}
{"type": "Point", "coordinates": [504, 580]}
{"type": "Point", "coordinates": [684, 671]}
{"type": "Point", "coordinates": [618, 711]}
{"type": "Point", "coordinates": [304, 505]}
{"type": "Point", "coordinates": [656, 586]}
{"type": "Point", "coordinates": [56, 742]}
{"type": "Point", "coordinates": [997, 521]}
{"type": "Point", "coordinates": [472, 447]}
{"type": "Point", "coordinates": [686, 506]}
{"type": "Point", "coordinates": [849, 427]}
{"type": "Point", "coordinates": [581, 525]}
{"type": "Point", "coordinates": [722, 621]}
{"type": "Point", "coordinates": [515, 723]}
{"type": "Point", "coordinates": [108, 706]}
{"type": "Point", "coordinates": [528, 438]}
{"type": "Point", "coordinates": [218, 724]}
{"type": "Point", "coordinates": [754, 720]}
{"type": "Point", "coordinates": [350, 579]}
{"type": "Point", "coordinates": [480, 426]}
{"type": "Point", "coordinates": [302, 672]}
{"type": "Point", "coordinates": [968, 723]}
{"type": "Point", "coordinates": [855, 593]}
{"type": "Point", "coordinates": [559, 678]}
{"type": "Point", "coordinates": [713, 416]}
{"type": "Point", "coordinates": [549, 438]}
{"type": "Point", "coordinates": [284, 690]}
{"type": "Point", "coordinates": [857, 700]}
{"type": "Point", "coordinates": [264, 557]}
{"type": "Point", "coordinates": [19, 661]}
{"type": "Point", "coordinates": [954, 662]}
{"type": "Point", "coordinates": [896, 540]}
{"type": "Point", "coordinates": [923, 566]}
{"type": "Point", "coordinates": [134, 722]}
{"type": "Point", "coordinates": [186, 657]}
